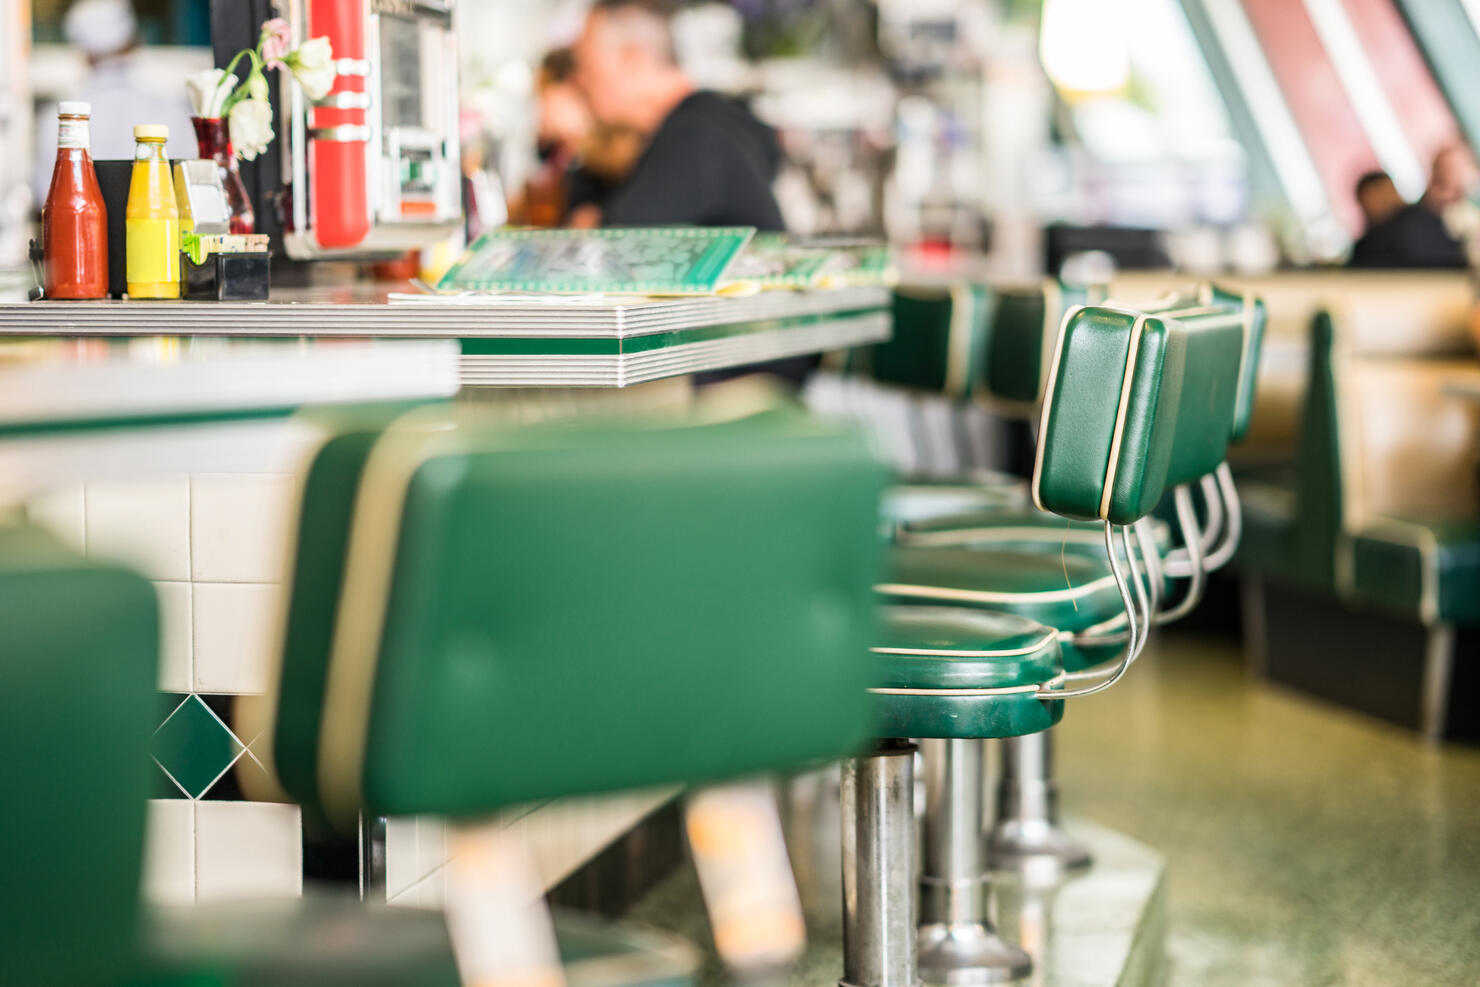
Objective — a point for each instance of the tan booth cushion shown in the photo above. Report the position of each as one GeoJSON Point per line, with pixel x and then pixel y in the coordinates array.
{"type": "Point", "coordinates": [1432, 307]}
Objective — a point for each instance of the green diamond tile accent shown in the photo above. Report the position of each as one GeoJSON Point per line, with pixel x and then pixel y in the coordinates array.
{"type": "Point", "coordinates": [194, 747]}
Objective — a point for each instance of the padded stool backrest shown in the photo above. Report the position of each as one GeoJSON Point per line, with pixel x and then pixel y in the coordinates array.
{"type": "Point", "coordinates": [1253, 316]}
{"type": "Point", "coordinates": [1136, 404]}
{"type": "Point", "coordinates": [1106, 431]}
{"type": "Point", "coordinates": [1020, 343]}
{"type": "Point", "coordinates": [537, 612]}
{"type": "Point", "coordinates": [79, 645]}
{"type": "Point", "coordinates": [993, 343]}
{"type": "Point", "coordinates": [937, 343]}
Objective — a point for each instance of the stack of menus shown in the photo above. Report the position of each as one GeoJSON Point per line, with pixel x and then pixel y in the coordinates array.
{"type": "Point", "coordinates": [656, 261]}
{"type": "Point", "coordinates": [681, 261]}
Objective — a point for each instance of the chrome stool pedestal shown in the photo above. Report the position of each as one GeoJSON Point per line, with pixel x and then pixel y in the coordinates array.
{"type": "Point", "coordinates": [957, 944]}
{"type": "Point", "coordinates": [1026, 834]}
{"type": "Point", "coordinates": [878, 821]}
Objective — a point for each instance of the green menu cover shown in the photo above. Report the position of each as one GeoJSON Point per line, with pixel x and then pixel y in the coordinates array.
{"type": "Point", "coordinates": [775, 260]}
{"type": "Point", "coordinates": [856, 262]}
{"type": "Point", "coordinates": [651, 261]}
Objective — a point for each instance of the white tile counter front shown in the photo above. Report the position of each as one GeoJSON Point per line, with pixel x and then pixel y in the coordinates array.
{"type": "Point", "coordinates": [214, 546]}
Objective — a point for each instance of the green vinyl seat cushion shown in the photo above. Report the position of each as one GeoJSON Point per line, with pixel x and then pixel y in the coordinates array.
{"type": "Point", "coordinates": [928, 656]}
{"type": "Point", "coordinates": [916, 501]}
{"type": "Point", "coordinates": [1041, 534]}
{"type": "Point", "coordinates": [1269, 508]}
{"type": "Point", "coordinates": [1018, 530]}
{"type": "Point", "coordinates": [595, 586]}
{"type": "Point", "coordinates": [1424, 569]}
{"type": "Point", "coordinates": [79, 648]}
{"type": "Point", "coordinates": [1068, 592]}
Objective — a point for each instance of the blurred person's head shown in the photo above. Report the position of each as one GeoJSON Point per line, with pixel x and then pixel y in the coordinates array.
{"type": "Point", "coordinates": [101, 28]}
{"type": "Point", "coordinates": [1378, 197]}
{"type": "Point", "coordinates": [626, 65]}
{"type": "Point", "coordinates": [564, 117]}
{"type": "Point", "coordinates": [1453, 176]}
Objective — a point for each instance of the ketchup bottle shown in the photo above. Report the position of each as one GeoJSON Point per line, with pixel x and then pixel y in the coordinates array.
{"type": "Point", "coordinates": [74, 224]}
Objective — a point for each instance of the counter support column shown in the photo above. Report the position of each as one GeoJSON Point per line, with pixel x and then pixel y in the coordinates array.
{"type": "Point", "coordinates": [878, 819]}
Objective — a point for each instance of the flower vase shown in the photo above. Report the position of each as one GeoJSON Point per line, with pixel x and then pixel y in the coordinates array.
{"type": "Point", "coordinates": [214, 142]}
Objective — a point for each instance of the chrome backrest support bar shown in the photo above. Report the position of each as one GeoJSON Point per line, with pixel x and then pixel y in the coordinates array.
{"type": "Point", "coordinates": [1135, 637]}
{"type": "Point", "coordinates": [1195, 571]}
{"type": "Point", "coordinates": [1233, 527]}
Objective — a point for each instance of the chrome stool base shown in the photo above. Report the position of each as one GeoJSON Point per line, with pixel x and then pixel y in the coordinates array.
{"type": "Point", "coordinates": [1026, 835]}
{"type": "Point", "coordinates": [1034, 847]}
{"type": "Point", "coordinates": [969, 954]}
{"type": "Point", "coordinates": [956, 943]}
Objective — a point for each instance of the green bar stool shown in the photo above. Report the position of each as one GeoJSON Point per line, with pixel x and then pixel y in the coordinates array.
{"type": "Point", "coordinates": [1026, 831]}
{"type": "Point", "coordinates": [524, 614]}
{"type": "Point", "coordinates": [478, 616]}
{"type": "Point", "coordinates": [81, 641]}
{"type": "Point", "coordinates": [956, 341]}
{"type": "Point", "coordinates": [956, 676]}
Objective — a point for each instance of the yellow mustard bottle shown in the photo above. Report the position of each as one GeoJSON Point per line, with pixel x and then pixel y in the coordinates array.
{"type": "Point", "coordinates": [152, 219]}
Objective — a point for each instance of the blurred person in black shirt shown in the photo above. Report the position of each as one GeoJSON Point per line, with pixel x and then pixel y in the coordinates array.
{"type": "Point", "coordinates": [707, 162]}
{"type": "Point", "coordinates": [581, 162]}
{"type": "Point", "coordinates": [1415, 235]}
{"type": "Point", "coordinates": [1378, 198]}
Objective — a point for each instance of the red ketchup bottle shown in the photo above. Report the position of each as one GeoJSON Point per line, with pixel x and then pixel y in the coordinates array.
{"type": "Point", "coordinates": [74, 224]}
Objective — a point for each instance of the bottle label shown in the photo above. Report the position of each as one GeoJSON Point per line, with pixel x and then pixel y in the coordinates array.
{"type": "Point", "coordinates": [72, 133]}
{"type": "Point", "coordinates": [152, 255]}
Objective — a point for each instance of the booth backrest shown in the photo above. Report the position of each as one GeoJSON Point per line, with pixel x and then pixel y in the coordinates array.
{"type": "Point", "coordinates": [1389, 349]}
{"type": "Point", "coordinates": [1381, 433]}
{"type": "Point", "coordinates": [528, 613]}
{"type": "Point", "coordinates": [1378, 313]}
{"type": "Point", "coordinates": [1409, 444]}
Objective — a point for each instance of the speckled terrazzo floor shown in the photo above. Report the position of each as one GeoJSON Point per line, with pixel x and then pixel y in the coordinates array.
{"type": "Point", "coordinates": [1304, 845]}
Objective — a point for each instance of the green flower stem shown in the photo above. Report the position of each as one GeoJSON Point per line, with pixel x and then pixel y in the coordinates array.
{"type": "Point", "coordinates": [243, 90]}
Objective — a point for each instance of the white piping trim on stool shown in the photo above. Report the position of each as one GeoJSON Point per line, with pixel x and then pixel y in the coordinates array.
{"type": "Point", "coordinates": [1121, 413]}
{"type": "Point", "coordinates": [1047, 410]}
{"type": "Point", "coordinates": [989, 596]}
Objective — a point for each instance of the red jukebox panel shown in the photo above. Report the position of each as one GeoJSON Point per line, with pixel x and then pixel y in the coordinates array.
{"type": "Point", "coordinates": [375, 164]}
{"type": "Point", "coordinates": [338, 133]}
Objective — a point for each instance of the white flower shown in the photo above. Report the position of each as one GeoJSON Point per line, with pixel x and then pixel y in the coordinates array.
{"type": "Point", "coordinates": [208, 91]}
{"type": "Point", "coordinates": [313, 66]}
{"type": "Point", "coordinates": [251, 128]}
{"type": "Point", "coordinates": [257, 86]}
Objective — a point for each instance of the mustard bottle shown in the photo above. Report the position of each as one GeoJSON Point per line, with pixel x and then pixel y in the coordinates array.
{"type": "Point", "coordinates": [152, 219]}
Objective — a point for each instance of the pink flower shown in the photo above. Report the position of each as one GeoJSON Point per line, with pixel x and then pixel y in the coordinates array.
{"type": "Point", "coordinates": [276, 41]}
